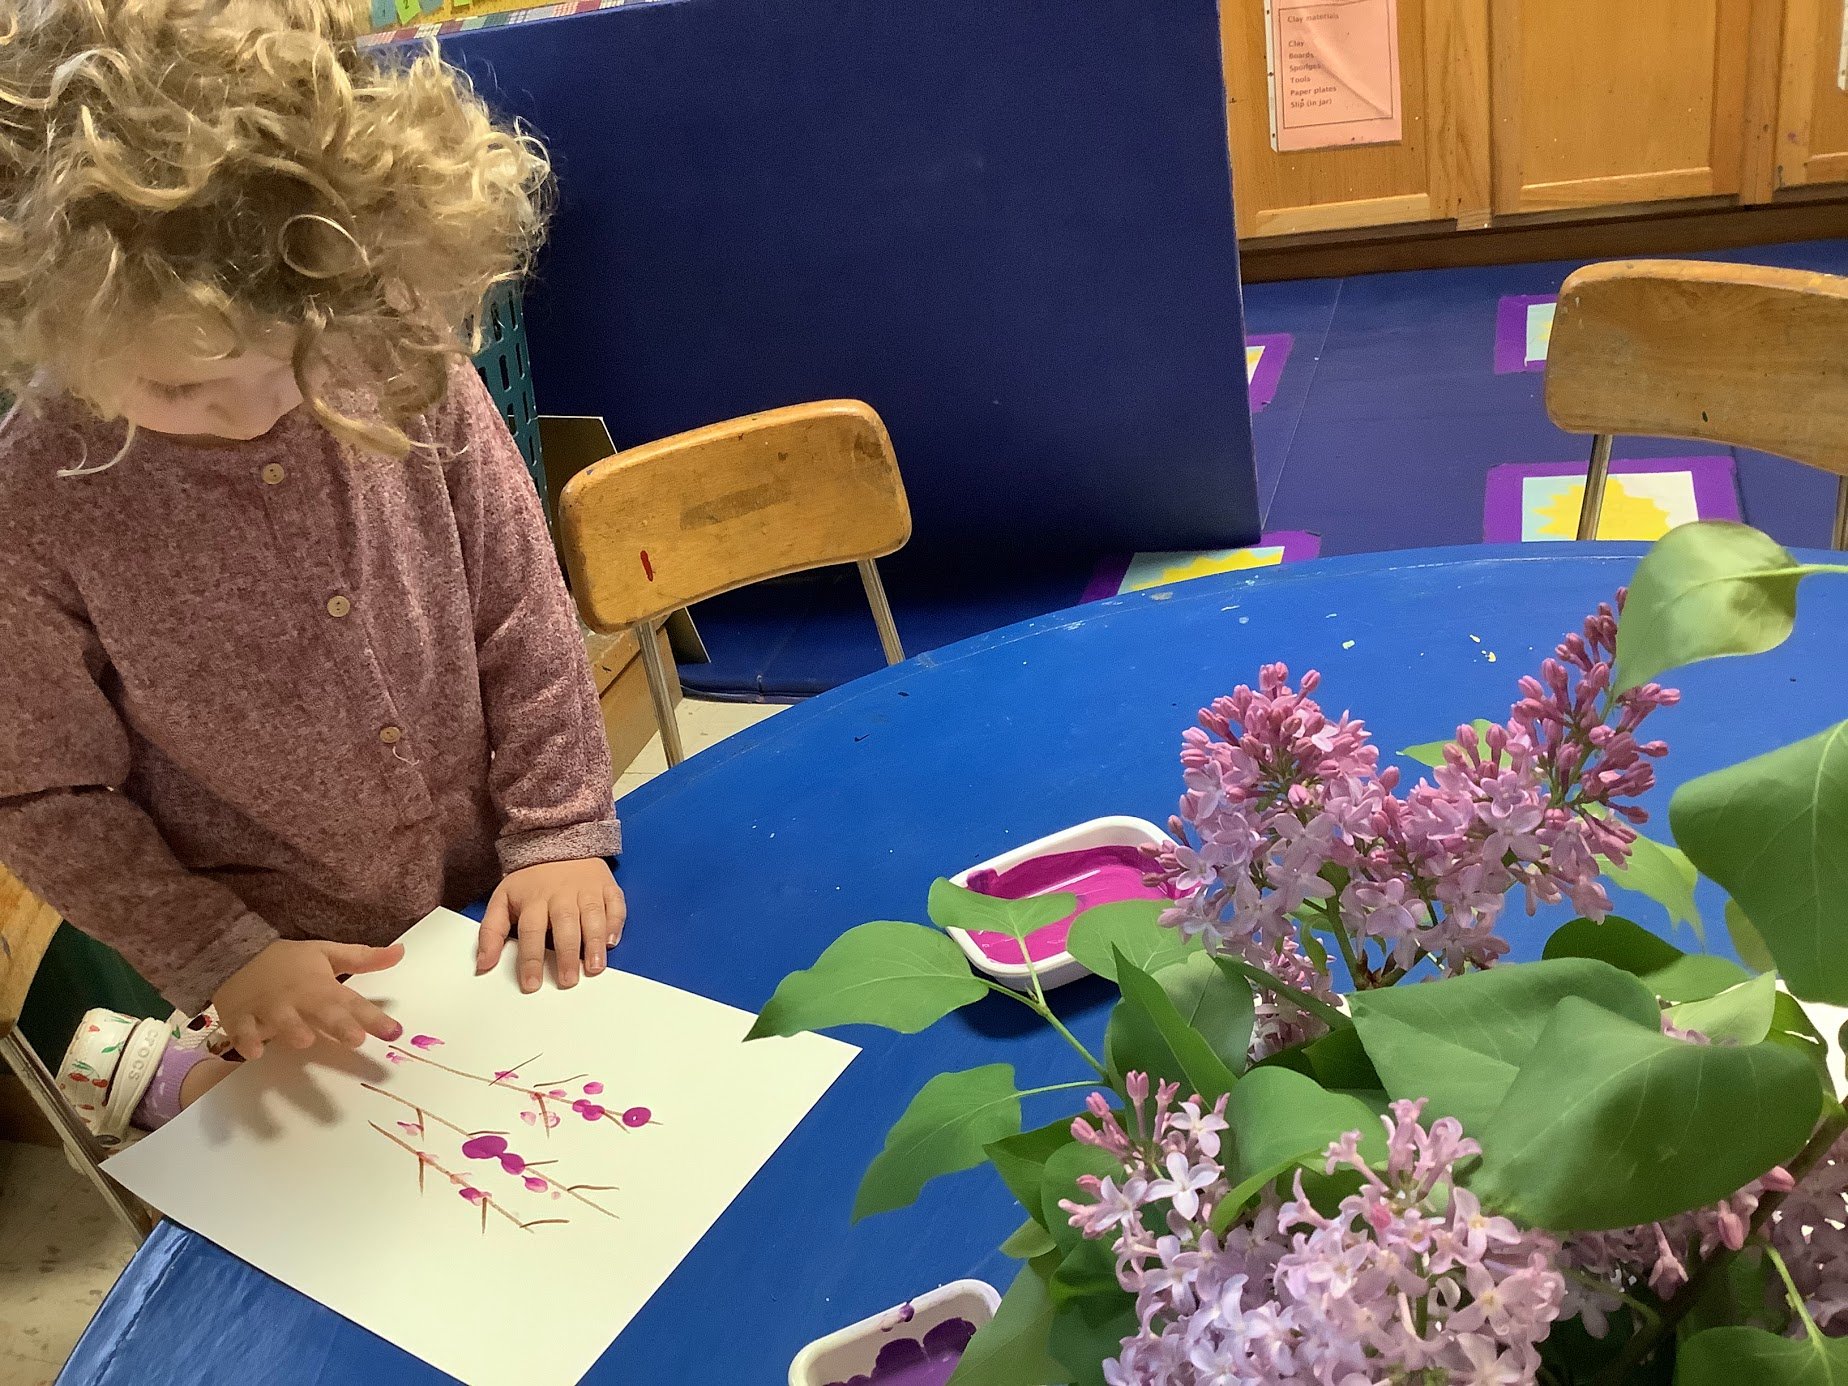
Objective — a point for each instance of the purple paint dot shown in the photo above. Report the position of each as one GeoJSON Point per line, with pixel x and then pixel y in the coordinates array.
{"type": "Point", "coordinates": [392, 1056]}
{"type": "Point", "coordinates": [512, 1163]}
{"type": "Point", "coordinates": [425, 1042]}
{"type": "Point", "coordinates": [580, 1105]}
{"type": "Point", "coordinates": [472, 1194]}
{"type": "Point", "coordinates": [485, 1147]}
{"type": "Point", "coordinates": [410, 1126]}
{"type": "Point", "coordinates": [529, 1117]}
{"type": "Point", "coordinates": [557, 1092]}
{"type": "Point", "coordinates": [593, 1088]}
{"type": "Point", "coordinates": [637, 1116]}
{"type": "Point", "coordinates": [534, 1184]}
{"type": "Point", "coordinates": [590, 1111]}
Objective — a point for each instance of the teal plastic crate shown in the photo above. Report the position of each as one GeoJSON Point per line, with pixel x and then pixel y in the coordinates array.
{"type": "Point", "coordinates": [506, 369]}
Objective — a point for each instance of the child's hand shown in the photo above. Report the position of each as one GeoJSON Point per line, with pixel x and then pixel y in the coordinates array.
{"type": "Point", "coordinates": [291, 992]}
{"type": "Point", "coordinates": [578, 900]}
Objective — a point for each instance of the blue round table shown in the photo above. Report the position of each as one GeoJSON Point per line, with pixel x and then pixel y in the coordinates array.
{"type": "Point", "coordinates": [746, 861]}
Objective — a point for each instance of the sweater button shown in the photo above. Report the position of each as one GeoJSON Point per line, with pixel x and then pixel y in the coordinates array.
{"type": "Point", "coordinates": [338, 606]}
{"type": "Point", "coordinates": [391, 736]}
{"type": "Point", "coordinates": [273, 474]}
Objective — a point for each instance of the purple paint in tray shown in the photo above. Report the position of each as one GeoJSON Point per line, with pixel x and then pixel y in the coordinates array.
{"type": "Point", "coordinates": [1096, 875]}
{"type": "Point", "coordinates": [910, 1362]}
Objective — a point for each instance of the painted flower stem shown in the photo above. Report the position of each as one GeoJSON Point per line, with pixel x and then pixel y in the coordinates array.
{"type": "Point", "coordinates": [487, 1201]}
{"type": "Point", "coordinates": [425, 1115]}
{"type": "Point", "coordinates": [538, 1095]}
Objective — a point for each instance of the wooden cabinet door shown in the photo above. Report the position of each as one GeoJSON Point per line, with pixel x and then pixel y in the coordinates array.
{"type": "Point", "coordinates": [1812, 133]}
{"type": "Point", "coordinates": [1439, 170]}
{"type": "Point", "coordinates": [1609, 101]}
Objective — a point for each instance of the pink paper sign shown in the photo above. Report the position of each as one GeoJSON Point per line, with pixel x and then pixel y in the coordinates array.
{"type": "Point", "coordinates": [1334, 73]}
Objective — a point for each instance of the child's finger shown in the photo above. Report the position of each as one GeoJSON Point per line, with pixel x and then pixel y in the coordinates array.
{"type": "Point", "coordinates": [616, 912]}
{"type": "Point", "coordinates": [594, 923]}
{"type": "Point", "coordinates": [495, 926]}
{"type": "Point", "coordinates": [371, 1019]}
{"type": "Point", "coordinates": [292, 1030]}
{"type": "Point", "coordinates": [567, 941]}
{"type": "Point", "coordinates": [332, 1020]}
{"type": "Point", "coordinates": [247, 1038]}
{"type": "Point", "coordinates": [349, 958]}
{"type": "Point", "coordinates": [532, 945]}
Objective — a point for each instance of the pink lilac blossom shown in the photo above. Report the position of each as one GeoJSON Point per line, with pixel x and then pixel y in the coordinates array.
{"type": "Point", "coordinates": [1287, 816]}
{"type": "Point", "coordinates": [1408, 1281]}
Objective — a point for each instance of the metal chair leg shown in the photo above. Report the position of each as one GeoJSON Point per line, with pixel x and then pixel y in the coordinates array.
{"type": "Point", "coordinates": [1595, 477]}
{"type": "Point", "coordinates": [88, 1155]}
{"type": "Point", "coordinates": [882, 611]}
{"type": "Point", "coordinates": [659, 692]}
{"type": "Point", "coordinates": [1841, 514]}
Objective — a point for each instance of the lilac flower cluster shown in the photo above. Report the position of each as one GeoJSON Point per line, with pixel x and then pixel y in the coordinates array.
{"type": "Point", "coordinates": [1410, 1281]}
{"type": "Point", "coordinates": [1288, 817]}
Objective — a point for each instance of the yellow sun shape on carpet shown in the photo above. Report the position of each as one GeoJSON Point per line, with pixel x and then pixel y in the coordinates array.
{"type": "Point", "coordinates": [1626, 515]}
{"type": "Point", "coordinates": [1208, 564]}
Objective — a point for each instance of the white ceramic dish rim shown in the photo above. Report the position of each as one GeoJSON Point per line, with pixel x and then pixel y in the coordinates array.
{"type": "Point", "coordinates": [959, 1298]}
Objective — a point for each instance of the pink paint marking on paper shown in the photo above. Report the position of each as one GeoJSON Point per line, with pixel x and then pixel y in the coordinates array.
{"type": "Point", "coordinates": [1096, 875]}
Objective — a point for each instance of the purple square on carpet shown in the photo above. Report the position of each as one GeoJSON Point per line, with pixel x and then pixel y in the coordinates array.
{"type": "Point", "coordinates": [1527, 502]}
{"type": "Point", "coordinates": [1265, 368]}
{"type": "Point", "coordinates": [1523, 325]}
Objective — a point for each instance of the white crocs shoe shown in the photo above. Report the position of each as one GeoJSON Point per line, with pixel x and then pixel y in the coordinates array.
{"type": "Point", "coordinates": [113, 1058]}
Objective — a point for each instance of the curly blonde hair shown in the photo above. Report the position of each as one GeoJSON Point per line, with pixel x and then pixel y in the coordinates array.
{"type": "Point", "coordinates": [240, 167]}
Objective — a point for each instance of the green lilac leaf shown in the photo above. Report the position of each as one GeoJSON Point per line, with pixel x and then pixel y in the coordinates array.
{"type": "Point", "coordinates": [1611, 1123]}
{"type": "Point", "coordinates": [1735, 1356]}
{"type": "Point", "coordinates": [1027, 1241]}
{"type": "Point", "coordinates": [1129, 927]}
{"type": "Point", "coordinates": [945, 1129]}
{"type": "Point", "coordinates": [1011, 1348]}
{"type": "Point", "coordinates": [1773, 831]}
{"type": "Point", "coordinates": [1664, 874]}
{"type": "Point", "coordinates": [1460, 1041]}
{"type": "Point", "coordinates": [1088, 1332]}
{"type": "Point", "coordinates": [1275, 1114]}
{"type": "Point", "coordinates": [1746, 941]}
{"type": "Point", "coordinates": [1181, 1025]}
{"type": "Point", "coordinates": [1021, 1160]}
{"type": "Point", "coordinates": [957, 907]}
{"type": "Point", "coordinates": [1705, 590]}
{"type": "Point", "coordinates": [1741, 1014]}
{"type": "Point", "coordinates": [899, 976]}
{"type": "Point", "coordinates": [1088, 1271]}
{"type": "Point", "coordinates": [1670, 973]}
{"type": "Point", "coordinates": [1059, 1181]}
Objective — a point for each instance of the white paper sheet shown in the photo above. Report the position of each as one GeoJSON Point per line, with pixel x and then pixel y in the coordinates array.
{"type": "Point", "coordinates": [307, 1165]}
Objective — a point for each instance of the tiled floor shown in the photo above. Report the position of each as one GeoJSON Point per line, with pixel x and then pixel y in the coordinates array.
{"type": "Point", "coordinates": [60, 1247]}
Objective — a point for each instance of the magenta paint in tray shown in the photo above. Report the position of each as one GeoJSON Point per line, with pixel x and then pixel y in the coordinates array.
{"type": "Point", "coordinates": [1102, 862]}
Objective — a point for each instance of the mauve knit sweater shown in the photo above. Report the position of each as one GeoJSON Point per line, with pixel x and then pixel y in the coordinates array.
{"type": "Point", "coordinates": [283, 688]}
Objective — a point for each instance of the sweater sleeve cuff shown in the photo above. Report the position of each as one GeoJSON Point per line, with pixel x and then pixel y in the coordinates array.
{"type": "Point", "coordinates": [190, 988]}
{"type": "Point", "coordinates": [579, 842]}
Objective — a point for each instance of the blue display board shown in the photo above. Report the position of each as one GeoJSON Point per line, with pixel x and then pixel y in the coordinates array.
{"type": "Point", "coordinates": [1006, 224]}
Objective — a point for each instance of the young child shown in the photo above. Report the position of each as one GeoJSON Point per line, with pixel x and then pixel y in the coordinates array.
{"type": "Point", "coordinates": [286, 660]}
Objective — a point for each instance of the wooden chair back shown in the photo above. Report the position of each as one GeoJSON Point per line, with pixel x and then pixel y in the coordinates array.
{"type": "Point", "coordinates": [1742, 355]}
{"type": "Point", "coordinates": [672, 522]}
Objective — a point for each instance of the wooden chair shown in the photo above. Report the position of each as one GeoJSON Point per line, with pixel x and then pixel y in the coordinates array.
{"type": "Point", "coordinates": [1742, 355]}
{"type": "Point", "coordinates": [673, 522]}
{"type": "Point", "coordinates": [26, 927]}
